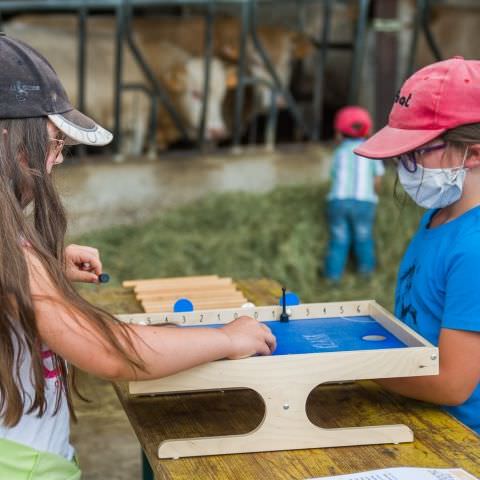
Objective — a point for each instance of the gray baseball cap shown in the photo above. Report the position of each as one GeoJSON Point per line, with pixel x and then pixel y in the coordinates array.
{"type": "Point", "coordinates": [30, 87]}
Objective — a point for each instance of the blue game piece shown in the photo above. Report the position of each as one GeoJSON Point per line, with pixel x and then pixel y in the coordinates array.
{"type": "Point", "coordinates": [183, 305]}
{"type": "Point", "coordinates": [291, 299]}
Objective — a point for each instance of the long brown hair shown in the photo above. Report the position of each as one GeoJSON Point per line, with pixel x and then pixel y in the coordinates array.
{"type": "Point", "coordinates": [24, 145]}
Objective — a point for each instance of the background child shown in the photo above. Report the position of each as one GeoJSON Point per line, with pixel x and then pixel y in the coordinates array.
{"type": "Point", "coordinates": [352, 199]}
{"type": "Point", "coordinates": [44, 322]}
{"type": "Point", "coordinates": [433, 133]}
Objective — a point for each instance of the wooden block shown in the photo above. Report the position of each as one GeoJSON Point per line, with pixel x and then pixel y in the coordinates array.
{"type": "Point", "coordinates": [166, 280]}
{"type": "Point", "coordinates": [150, 307]}
{"type": "Point", "coordinates": [194, 285]}
{"type": "Point", "coordinates": [185, 292]}
{"type": "Point", "coordinates": [203, 300]}
{"type": "Point", "coordinates": [167, 305]}
{"type": "Point", "coordinates": [190, 295]}
{"type": "Point", "coordinates": [223, 283]}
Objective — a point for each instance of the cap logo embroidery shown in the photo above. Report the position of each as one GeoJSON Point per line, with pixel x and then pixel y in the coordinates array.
{"type": "Point", "coordinates": [402, 100]}
{"type": "Point", "coordinates": [22, 90]}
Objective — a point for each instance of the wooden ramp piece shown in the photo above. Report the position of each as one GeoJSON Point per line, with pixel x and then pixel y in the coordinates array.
{"type": "Point", "coordinates": [205, 292]}
{"type": "Point", "coordinates": [166, 281]}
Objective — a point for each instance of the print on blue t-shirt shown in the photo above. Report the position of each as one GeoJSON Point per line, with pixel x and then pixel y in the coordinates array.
{"type": "Point", "coordinates": [437, 287]}
{"type": "Point", "coordinates": [405, 305]}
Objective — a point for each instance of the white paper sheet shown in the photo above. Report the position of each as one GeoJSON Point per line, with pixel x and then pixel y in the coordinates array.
{"type": "Point", "coordinates": [406, 473]}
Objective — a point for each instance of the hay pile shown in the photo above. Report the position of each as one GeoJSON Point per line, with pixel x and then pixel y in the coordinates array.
{"type": "Point", "coordinates": [280, 235]}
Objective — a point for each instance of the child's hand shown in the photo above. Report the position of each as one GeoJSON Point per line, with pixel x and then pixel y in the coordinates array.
{"type": "Point", "coordinates": [82, 264]}
{"type": "Point", "coordinates": [249, 337]}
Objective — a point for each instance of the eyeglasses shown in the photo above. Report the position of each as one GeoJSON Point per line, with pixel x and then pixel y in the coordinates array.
{"type": "Point", "coordinates": [409, 159]}
{"type": "Point", "coordinates": [59, 143]}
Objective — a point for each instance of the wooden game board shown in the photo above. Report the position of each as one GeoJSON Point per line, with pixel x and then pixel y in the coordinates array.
{"type": "Point", "coordinates": [285, 380]}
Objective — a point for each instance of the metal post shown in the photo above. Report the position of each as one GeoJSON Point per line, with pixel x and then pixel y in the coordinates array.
{"type": "Point", "coordinates": [282, 89]}
{"type": "Point", "coordinates": [121, 12]}
{"type": "Point", "coordinates": [428, 32]}
{"type": "Point", "coordinates": [208, 62]}
{"type": "Point", "coordinates": [358, 51]}
{"type": "Point", "coordinates": [241, 71]}
{"type": "Point", "coordinates": [253, 123]}
{"type": "Point", "coordinates": [152, 133]}
{"type": "Point", "coordinates": [421, 21]}
{"type": "Point", "coordinates": [386, 60]}
{"type": "Point", "coordinates": [417, 22]}
{"type": "Point", "coordinates": [153, 81]}
{"type": "Point", "coordinates": [82, 53]}
{"type": "Point", "coordinates": [81, 66]}
{"type": "Point", "coordinates": [321, 60]}
{"type": "Point", "coordinates": [270, 134]}
{"type": "Point", "coordinates": [301, 15]}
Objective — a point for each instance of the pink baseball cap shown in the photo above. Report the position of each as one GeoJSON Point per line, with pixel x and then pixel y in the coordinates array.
{"type": "Point", "coordinates": [353, 121]}
{"type": "Point", "coordinates": [435, 99]}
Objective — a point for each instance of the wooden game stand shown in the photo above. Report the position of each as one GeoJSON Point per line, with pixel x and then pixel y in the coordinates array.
{"type": "Point", "coordinates": [284, 382]}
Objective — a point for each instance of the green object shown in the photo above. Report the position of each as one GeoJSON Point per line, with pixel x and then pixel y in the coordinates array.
{"type": "Point", "coordinates": [147, 472]}
{"type": "Point", "coordinates": [19, 462]}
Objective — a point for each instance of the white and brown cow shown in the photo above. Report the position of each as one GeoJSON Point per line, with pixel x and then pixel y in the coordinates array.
{"type": "Point", "coordinates": [180, 72]}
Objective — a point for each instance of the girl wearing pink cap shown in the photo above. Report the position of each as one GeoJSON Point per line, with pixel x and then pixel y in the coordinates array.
{"type": "Point", "coordinates": [433, 134]}
{"type": "Point", "coordinates": [44, 322]}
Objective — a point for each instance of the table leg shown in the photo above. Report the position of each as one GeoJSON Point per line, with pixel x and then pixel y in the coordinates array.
{"type": "Point", "coordinates": [147, 472]}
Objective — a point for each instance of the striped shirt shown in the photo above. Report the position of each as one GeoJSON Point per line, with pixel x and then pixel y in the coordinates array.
{"type": "Point", "coordinates": [353, 176]}
{"type": "Point", "coordinates": [48, 433]}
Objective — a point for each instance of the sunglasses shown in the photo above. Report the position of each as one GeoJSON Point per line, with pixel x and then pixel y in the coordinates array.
{"type": "Point", "coordinates": [409, 159]}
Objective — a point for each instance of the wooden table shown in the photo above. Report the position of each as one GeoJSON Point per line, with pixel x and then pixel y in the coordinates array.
{"type": "Point", "coordinates": [440, 440]}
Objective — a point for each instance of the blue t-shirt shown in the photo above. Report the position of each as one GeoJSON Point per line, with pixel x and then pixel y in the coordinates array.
{"type": "Point", "coordinates": [438, 284]}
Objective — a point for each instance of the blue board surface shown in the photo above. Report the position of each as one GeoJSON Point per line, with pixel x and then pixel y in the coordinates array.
{"type": "Point", "coordinates": [337, 334]}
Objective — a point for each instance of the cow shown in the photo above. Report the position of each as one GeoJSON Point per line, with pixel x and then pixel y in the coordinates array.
{"type": "Point", "coordinates": [180, 73]}
{"type": "Point", "coordinates": [282, 45]}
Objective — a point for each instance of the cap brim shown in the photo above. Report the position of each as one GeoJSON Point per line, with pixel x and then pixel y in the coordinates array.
{"type": "Point", "coordinates": [80, 129]}
{"type": "Point", "coordinates": [391, 142]}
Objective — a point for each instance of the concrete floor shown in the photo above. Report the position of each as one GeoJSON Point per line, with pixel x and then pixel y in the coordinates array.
{"type": "Point", "coordinates": [99, 193]}
{"type": "Point", "coordinates": [105, 444]}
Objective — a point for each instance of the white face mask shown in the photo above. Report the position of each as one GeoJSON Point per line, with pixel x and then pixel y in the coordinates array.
{"type": "Point", "coordinates": [433, 187]}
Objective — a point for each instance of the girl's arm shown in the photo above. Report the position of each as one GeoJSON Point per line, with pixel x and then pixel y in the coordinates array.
{"type": "Point", "coordinates": [164, 350]}
{"type": "Point", "coordinates": [459, 371]}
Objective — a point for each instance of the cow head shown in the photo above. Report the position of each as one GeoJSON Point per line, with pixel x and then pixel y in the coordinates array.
{"type": "Point", "coordinates": [186, 84]}
{"type": "Point", "coordinates": [283, 47]}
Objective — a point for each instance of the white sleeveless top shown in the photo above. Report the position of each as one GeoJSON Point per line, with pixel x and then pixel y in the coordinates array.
{"type": "Point", "coordinates": [49, 433]}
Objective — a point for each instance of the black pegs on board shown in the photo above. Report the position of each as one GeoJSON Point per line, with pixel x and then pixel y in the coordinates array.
{"type": "Point", "coordinates": [284, 317]}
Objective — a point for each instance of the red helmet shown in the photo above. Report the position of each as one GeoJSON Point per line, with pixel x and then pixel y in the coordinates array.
{"type": "Point", "coordinates": [353, 121]}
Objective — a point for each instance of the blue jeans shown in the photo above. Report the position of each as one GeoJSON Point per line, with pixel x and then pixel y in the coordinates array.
{"type": "Point", "coordinates": [351, 224]}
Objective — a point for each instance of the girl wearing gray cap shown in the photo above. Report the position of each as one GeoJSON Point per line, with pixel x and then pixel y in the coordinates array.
{"type": "Point", "coordinates": [44, 323]}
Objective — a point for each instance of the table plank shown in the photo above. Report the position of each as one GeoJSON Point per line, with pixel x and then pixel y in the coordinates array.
{"type": "Point", "coordinates": [440, 440]}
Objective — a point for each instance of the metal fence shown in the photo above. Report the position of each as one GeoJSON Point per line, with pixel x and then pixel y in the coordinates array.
{"type": "Point", "coordinates": [247, 12]}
